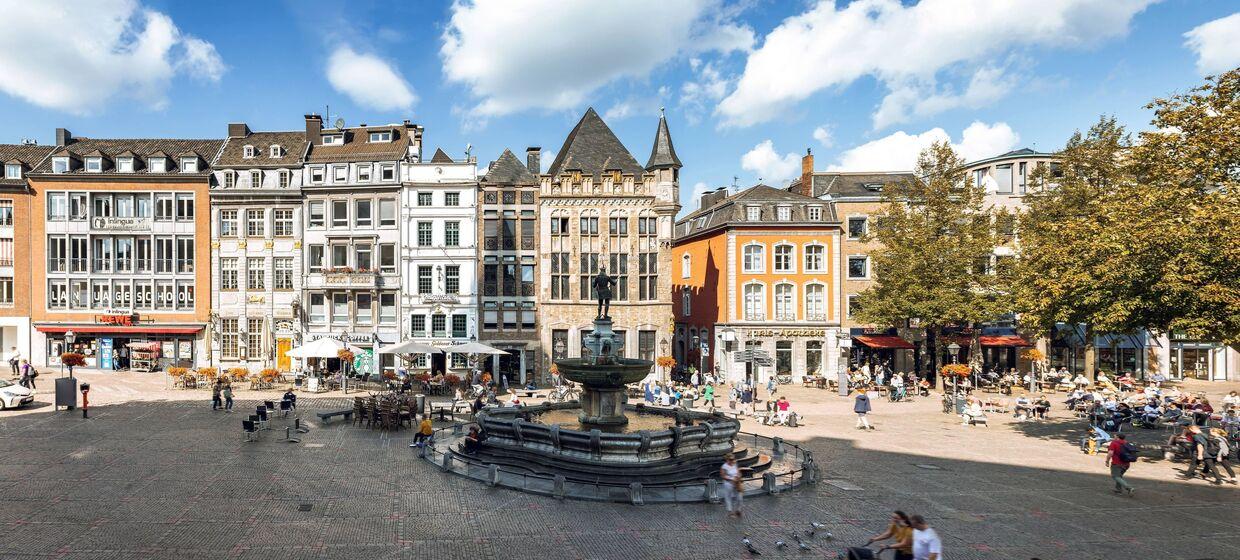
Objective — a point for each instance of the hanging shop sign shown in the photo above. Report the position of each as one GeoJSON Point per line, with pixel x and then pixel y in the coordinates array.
{"type": "Point", "coordinates": [789, 332]}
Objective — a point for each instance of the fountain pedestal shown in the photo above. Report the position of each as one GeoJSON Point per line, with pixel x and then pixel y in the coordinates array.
{"type": "Point", "coordinates": [603, 376]}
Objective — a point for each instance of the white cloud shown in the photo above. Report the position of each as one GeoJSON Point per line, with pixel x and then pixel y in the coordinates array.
{"type": "Point", "coordinates": [913, 99]}
{"type": "Point", "coordinates": [770, 167]}
{"type": "Point", "coordinates": [829, 47]}
{"type": "Point", "coordinates": [77, 56]}
{"type": "Point", "coordinates": [515, 55]}
{"type": "Point", "coordinates": [898, 151]}
{"type": "Point", "coordinates": [1216, 44]}
{"type": "Point", "coordinates": [369, 81]}
{"type": "Point", "coordinates": [823, 135]}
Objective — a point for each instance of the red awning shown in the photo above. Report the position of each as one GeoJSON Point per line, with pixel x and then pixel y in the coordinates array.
{"type": "Point", "coordinates": [883, 341]}
{"type": "Point", "coordinates": [118, 329]}
{"type": "Point", "coordinates": [960, 339]}
{"type": "Point", "coordinates": [1004, 340]}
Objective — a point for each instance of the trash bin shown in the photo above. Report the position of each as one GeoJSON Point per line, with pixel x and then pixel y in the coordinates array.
{"type": "Point", "coordinates": [419, 406]}
{"type": "Point", "coordinates": [960, 403]}
{"type": "Point", "coordinates": [66, 392]}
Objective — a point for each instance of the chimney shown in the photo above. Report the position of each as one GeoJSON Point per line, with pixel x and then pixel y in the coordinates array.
{"type": "Point", "coordinates": [238, 130]}
{"type": "Point", "coordinates": [533, 159]}
{"type": "Point", "coordinates": [314, 129]}
{"type": "Point", "coordinates": [807, 173]}
{"type": "Point", "coordinates": [712, 198]}
{"type": "Point", "coordinates": [63, 137]}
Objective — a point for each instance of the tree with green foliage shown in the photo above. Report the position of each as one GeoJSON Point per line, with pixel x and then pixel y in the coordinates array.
{"type": "Point", "coordinates": [937, 241]}
{"type": "Point", "coordinates": [1069, 239]}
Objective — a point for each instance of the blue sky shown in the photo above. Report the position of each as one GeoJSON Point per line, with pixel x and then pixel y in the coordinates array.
{"type": "Point", "coordinates": [748, 85]}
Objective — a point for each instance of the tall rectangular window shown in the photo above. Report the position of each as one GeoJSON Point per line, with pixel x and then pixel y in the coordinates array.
{"type": "Point", "coordinates": [185, 255]}
{"type": "Point", "coordinates": [163, 207]}
{"type": "Point", "coordinates": [425, 234]}
{"type": "Point", "coordinates": [318, 214]}
{"type": "Point", "coordinates": [509, 280]}
{"type": "Point", "coordinates": [340, 213]}
{"type": "Point", "coordinates": [645, 345]}
{"type": "Point", "coordinates": [648, 276]}
{"type": "Point", "coordinates": [283, 269]}
{"type": "Point", "coordinates": [527, 280]}
{"type": "Point", "coordinates": [362, 257]}
{"type": "Point", "coordinates": [439, 325]}
{"type": "Point", "coordinates": [282, 222]}
{"type": "Point", "coordinates": [163, 254]}
{"type": "Point", "coordinates": [425, 280]}
{"type": "Point", "coordinates": [387, 212]}
{"type": "Point", "coordinates": [340, 309]}
{"type": "Point", "coordinates": [256, 273]}
{"type": "Point", "coordinates": [77, 206]}
{"type": "Point", "coordinates": [459, 325]}
{"type": "Point", "coordinates": [228, 223]}
{"type": "Point", "coordinates": [452, 279]}
{"type": "Point", "coordinates": [318, 309]}
{"type": "Point", "coordinates": [387, 258]}
{"type": "Point", "coordinates": [559, 276]}
{"type": "Point", "coordinates": [490, 279]}
{"type": "Point", "coordinates": [185, 294]}
{"type": "Point", "coordinates": [387, 308]}
{"type": "Point", "coordinates": [361, 213]}
{"type": "Point", "coordinates": [363, 308]}
{"type": "Point", "coordinates": [417, 325]}
{"type": "Point", "coordinates": [185, 207]}
{"type": "Point", "coordinates": [230, 338]}
{"type": "Point", "coordinates": [452, 234]}
{"type": "Point", "coordinates": [255, 222]}
{"type": "Point", "coordinates": [619, 269]}
{"type": "Point", "coordinates": [254, 338]}
{"type": "Point", "coordinates": [6, 291]}
{"type": "Point", "coordinates": [143, 259]}
{"type": "Point", "coordinates": [6, 213]}
{"type": "Point", "coordinates": [57, 254]}
{"type": "Point", "coordinates": [314, 259]}
{"type": "Point", "coordinates": [589, 268]}
{"type": "Point", "coordinates": [815, 258]}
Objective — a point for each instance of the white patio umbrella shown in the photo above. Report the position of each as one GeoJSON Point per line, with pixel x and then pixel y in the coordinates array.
{"type": "Point", "coordinates": [410, 347]}
{"type": "Point", "coordinates": [321, 348]}
{"type": "Point", "coordinates": [474, 348]}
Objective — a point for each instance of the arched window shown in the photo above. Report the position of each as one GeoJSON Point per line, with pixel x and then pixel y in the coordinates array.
{"type": "Point", "coordinates": [686, 266]}
{"type": "Point", "coordinates": [815, 258]}
{"type": "Point", "coordinates": [783, 258]}
{"type": "Point", "coordinates": [785, 310]}
{"type": "Point", "coordinates": [755, 302]}
{"type": "Point", "coordinates": [754, 259]}
{"type": "Point", "coordinates": [815, 302]}
{"type": "Point", "coordinates": [685, 303]}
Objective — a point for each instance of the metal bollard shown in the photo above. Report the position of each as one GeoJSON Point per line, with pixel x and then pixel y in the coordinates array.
{"type": "Point", "coordinates": [712, 490]}
{"type": "Point", "coordinates": [447, 461]}
{"type": "Point", "coordinates": [768, 483]}
{"type": "Point", "coordinates": [558, 482]}
{"type": "Point", "coordinates": [635, 493]}
{"type": "Point", "coordinates": [777, 448]}
{"type": "Point", "coordinates": [492, 475]}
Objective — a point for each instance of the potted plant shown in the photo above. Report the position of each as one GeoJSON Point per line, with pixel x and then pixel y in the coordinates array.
{"type": "Point", "coordinates": [72, 360]}
{"type": "Point", "coordinates": [238, 373]}
{"type": "Point", "coordinates": [269, 374]}
{"type": "Point", "coordinates": [452, 379]}
{"type": "Point", "coordinates": [665, 362]}
{"type": "Point", "coordinates": [423, 377]}
{"type": "Point", "coordinates": [208, 373]}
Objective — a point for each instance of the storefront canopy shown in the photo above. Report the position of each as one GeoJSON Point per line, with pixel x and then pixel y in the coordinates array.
{"type": "Point", "coordinates": [410, 347]}
{"type": "Point", "coordinates": [1004, 340]}
{"type": "Point", "coordinates": [321, 348]}
{"type": "Point", "coordinates": [118, 329]}
{"type": "Point", "coordinates": [883, 342]}
{"type": "Point", "coordinates": [474, 348]}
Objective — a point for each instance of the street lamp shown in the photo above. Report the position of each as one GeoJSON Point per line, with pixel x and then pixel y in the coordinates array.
{"type": "Point", "coordinates": [70, 338]}
{"type": "Point", "coordinates": [954, 350]}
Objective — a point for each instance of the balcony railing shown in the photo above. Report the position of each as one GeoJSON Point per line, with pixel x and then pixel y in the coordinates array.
{"type": "Point", "coordinates": [350, 279]}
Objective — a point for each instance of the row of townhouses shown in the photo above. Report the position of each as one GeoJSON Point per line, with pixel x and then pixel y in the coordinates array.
{"type": "Point", "coordinates": [146, 253]}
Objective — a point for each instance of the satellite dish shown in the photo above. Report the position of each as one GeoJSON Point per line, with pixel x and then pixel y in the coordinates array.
{"type": "Point", "coordinates": [339, 123]}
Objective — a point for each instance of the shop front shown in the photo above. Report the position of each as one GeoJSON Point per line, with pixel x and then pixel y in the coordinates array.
{"type": "Point", "coordinates": [367, 364]}
{"type": "Point", "coordinates": [1001, 352]}
{"type": "Point", "coordinates": [795, 352]}
{"type": "Point", "coordinates": [875, 347]}
{"type": "Point", "coordinates": [123, 347]}
{"type": "Point", "coordinates": [1200, 359]}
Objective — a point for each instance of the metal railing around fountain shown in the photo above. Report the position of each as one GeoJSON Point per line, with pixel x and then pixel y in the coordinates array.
{"type": "Point", "coordinates": [792, 466]}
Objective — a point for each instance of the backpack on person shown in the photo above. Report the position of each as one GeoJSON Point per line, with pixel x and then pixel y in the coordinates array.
{"type": "Point", "coordinates": [1213, 447]}
{"type": "Point", "coordinates": [33, 372]}
{"type": "Point", "coordinates": [1127, 452]}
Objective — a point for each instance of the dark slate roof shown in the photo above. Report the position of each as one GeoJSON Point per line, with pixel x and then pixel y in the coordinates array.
{"type": "Point", "coordinates": [731, 211]}
{"type": "Point", "coordinates": [1014, 154]}
{"type": "Point", "coordinates": [592, 148]}
{"type": "Point", "coordinates": [509, 170]}
{"type": "Point", "coordinates": [29, 156]}
{"type": "Point", "coordinates": [358, 147]}
{"type": "Point", "coordinates": [141, 147]}
{"type": "Point", "coordinates": [293, 144]}
{"type": "Point", "coordinates": [441, 157]}
{"type": "Point", "coordinates": [663, 154]}
{"type": "Point", "coordinates": [850, 184]}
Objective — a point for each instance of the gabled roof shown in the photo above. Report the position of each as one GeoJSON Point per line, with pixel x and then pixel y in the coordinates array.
{"type": "Point", "coordinates": [855, 184]}
{"type": "Point", "coordinates": [509, 170]}
{"type": "Point", "coordinates": [358, 147]}
{"type": "Point", "coordinates": [592, 148]}
{"type": "Point", "coordinates": [663, 154]}
{"type": "Point", "coordinates": [140, 147]}
{"type": "Point", "coordinates": [26, 155]}
{"type": "Point", "coordinates": [440, 157]}
{"type": "Point", "coordinates": [293, 146]}
{"type": "Point", "coordinates": [731, 211]}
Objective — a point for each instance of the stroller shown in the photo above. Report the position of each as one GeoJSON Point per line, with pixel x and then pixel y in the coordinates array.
{"type": "Point", "coordinates": [857, 553]}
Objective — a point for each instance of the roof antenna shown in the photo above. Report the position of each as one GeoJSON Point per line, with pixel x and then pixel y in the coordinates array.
{"type": "Point", "coordinates": [735, 187]}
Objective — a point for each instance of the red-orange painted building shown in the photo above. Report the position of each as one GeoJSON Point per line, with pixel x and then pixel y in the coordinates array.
{"type": "Point", "coordinates": [757, 270]}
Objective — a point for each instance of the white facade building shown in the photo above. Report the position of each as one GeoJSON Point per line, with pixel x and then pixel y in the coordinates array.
{"type": "Point", "coordinates": [256, 248]}
{"type": "Point", "coordinates": [439, 258]}
{"type": "Point", "coordinates": [352, 184]}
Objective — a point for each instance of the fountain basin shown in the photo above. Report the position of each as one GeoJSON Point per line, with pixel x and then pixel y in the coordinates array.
{"type": "Point", "coordinates": [612, 374]}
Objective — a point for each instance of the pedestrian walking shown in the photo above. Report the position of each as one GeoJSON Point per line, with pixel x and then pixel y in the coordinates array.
{"type": "Point", "coordinates": [14, 357]}
{"type": "Point", "coordinates": [730, 474]}
{"type": "Point", "coordinates": [29, 374]}
{"type": "Point", "coordinates": [900, 532]}
{"type": "Point", "coordinates": [216, 390]}
{"type": "Point", "coordinates": [1120, 455]}
{"type": "Point", "coordinates": [1224, 451]}
{"type": "Point", "coordinates": [861, 406]}
{"type": "Point", "coordinates": [708, 396]}
{"type": "Point", "coordinates": [1200, 456]}
{"type": "Point", "coordinates": [227, 393]}
{"type": "Point", "coordinates": [771, 386]}
{"type": "Point", "coordinates": [926, 542]}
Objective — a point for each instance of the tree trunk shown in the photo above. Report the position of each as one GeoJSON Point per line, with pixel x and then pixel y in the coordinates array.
{"type": "Point", "coordinates": [1091, 354]}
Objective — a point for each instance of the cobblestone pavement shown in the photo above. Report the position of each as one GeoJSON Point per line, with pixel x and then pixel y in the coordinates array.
{"type": "Point", "coordinates": [159, 478]}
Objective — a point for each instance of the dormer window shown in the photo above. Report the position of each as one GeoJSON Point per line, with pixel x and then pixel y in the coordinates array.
{"type": "Point", "coordinates": [333, 139]}
{"type": "Point", "coordinates": [383, 136]}
{"type": "Point", "coordinates": [94, 164]}
{"type": "Point", "coordinates": [256, 179]}
{"type": "Point", "coordinates": [277, 151]}
{"type": "Point", "coordinates": [753, 213]}
{"type": "Point", "coordinates": [230, 179]}
{"type": "Point", "coordinates": [189, 165]}
{"type": "Point", "coordinates": [158, 165]}
{"type": "Point", "coordinates": [13, 171]}
{"type": "Point", "coordinates": [815, 213]}
{"type": "Point", "coordinates": [316, 174]}
{"type": "Point", "coordinates": [873, 187]}
{"type": "Point", "coordinates": [124, 165]}
{"type": "Point", "coordinates": [60, 164]}
{"type": "Point", "coordinates": [783, 213]}
{"type": "Point", "coordinates": [248, 151]}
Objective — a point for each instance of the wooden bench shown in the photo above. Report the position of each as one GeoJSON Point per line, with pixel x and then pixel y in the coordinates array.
{"type": "Point", "coordinates": [347, 413]}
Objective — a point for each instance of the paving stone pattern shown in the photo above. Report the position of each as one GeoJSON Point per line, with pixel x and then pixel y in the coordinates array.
{"type": "Point", "coordinates": [175, 480]}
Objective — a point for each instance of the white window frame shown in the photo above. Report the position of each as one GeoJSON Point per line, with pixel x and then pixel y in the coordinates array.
{"type": "Point", "coordinates": [60, 164]}
{"type": "Point", "coordinates": [849, 302]}
{"type": "Point", "coordinates": [248, 151]}
{"type": "Point", "coordinates": [380, 136]}
{"type": "Point", "coordinates": [275, 151]}
{"type": "Point", "coordinates": [124, 165]}
{"type": "Point", "coordinates": [189, 165]}
{"type": "Point", "coordinates": [333, 139]}
{"type": "Point", "coordinates": [761, 264]}
{"type": "Point", "coordinates": [822, 261]}
{"type": "Point", "coordinates": [865, 226]}
{"type": "Point", "coordinates": [792, 257]}
{"type": "Point", "coordinates": [814, 213]}
{"type": "Point", "coordinates": [256, 184]}
{"type": "Point", "coordinates": [340, 173]}
{"type": "Point", "coordinates": [753, 213]}
{"type": "Point", "coordinates": [686, 266]}
{"type": "Point", "coordinates": [318, 174]}
{"type": "Point", "coordinates": [753, 310]}
{"type": "Point", "coordinates": [790, 305]}
{"type": "Point", "coordinates": [364, 172]}
{"type": "Point", "coordinates": [810, 314]}
{"type": "Point", "coordinates": [385, 171]}
{"type": "Point", "coordinates": [94, 164]}
{"type": "Point", "coordinates": [158, 164]}
{"type": "Point", "coordinates": [848, 267]}
{"type": "Point", "coordinates": [783, 213]}
{"type": "Point", "coordinates": [12, 171]}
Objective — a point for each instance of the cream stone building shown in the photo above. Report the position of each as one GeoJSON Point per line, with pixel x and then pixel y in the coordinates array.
{"type": "Point", "coordinates": [601, 209]}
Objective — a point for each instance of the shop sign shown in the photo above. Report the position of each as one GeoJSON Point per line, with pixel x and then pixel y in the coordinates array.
{"type": "Point", "coordinates": [813, 333]}
{"type": "Point", "coordinates": [440, 298]}
{"type": "Point", "coordinates": [123, 320]}
{"type": "Point", "coordinates": [121, 224]}
{"type": "Point", "coordinates": [284, 327]}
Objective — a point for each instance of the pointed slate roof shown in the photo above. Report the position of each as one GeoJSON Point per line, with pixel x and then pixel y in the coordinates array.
{"type": "Point", "coordinates": [440, 157]}
{"type": "Point", "coordinates": [663, 154]}
{"type": "Point", "coordinates": [593, 148]}
{"type": "Point", "coordinates": [508, 169]}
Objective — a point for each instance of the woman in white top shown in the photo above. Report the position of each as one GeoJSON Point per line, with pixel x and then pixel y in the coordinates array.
{"type": "Point", "coordinates": [730, 473]}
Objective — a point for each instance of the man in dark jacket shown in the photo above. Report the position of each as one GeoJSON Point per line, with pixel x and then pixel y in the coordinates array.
{"type": "Point", "coordinates": [861, 405]}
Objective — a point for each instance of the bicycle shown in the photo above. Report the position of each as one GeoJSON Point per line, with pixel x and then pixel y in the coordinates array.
{"type": "Point", "coordinates": [564, 393]}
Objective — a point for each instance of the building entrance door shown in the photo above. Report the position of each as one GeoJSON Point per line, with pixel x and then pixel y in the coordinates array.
{"type": "Point", "coordinates": [439, 363]}
{"type": "Point", "coordinates": [510, 366]}
{"type": "Point", "coordinates": [283, 345]}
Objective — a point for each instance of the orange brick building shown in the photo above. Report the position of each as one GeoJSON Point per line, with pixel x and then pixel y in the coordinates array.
{"type": "Point", "coordinates": [15, 216]}
{"type": "Point", "coordinates": [118, 254]}
{"type": "Point", "coordinates": [757, 270]}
